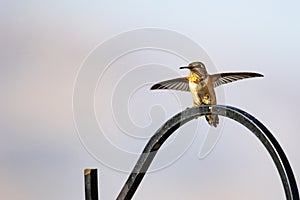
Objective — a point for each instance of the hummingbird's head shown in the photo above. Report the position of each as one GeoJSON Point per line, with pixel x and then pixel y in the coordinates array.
{"type": "Point", "coordinates": [197, 68]}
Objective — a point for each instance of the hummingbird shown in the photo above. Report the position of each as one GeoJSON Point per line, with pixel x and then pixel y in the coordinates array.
{"type": "Point", "coordinates": [202, 85]}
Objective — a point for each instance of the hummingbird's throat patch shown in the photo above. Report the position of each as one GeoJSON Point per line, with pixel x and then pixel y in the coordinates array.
{"type": "Point", "coordinates": [194, 78]}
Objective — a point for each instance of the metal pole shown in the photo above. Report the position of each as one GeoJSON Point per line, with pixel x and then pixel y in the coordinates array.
{"type": "Point", "coordinates": [91, 184]}
{"type": "Point", "coordinates": [244, 118]}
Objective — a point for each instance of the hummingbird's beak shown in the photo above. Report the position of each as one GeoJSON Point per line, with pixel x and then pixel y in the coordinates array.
{"type": "Point", "coordinates": [185, 67]}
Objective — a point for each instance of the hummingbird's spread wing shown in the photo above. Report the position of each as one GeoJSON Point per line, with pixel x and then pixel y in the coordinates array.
{"type": "Point", "coordinates": [224, 78]}
{"type": "Point", "coordinates": [173, 84]}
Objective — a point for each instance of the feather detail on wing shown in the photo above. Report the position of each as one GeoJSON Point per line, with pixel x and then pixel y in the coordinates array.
{"type": "Point", "coordinates": [181, 84]}
{"type": "Point", "coordinates": [223, 78]}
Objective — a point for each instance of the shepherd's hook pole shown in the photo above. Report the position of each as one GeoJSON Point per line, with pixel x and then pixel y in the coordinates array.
{"type": "Point", "coordinates": [244, 118]}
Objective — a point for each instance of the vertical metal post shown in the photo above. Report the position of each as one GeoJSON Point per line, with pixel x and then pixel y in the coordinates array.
{"type": "Point", "coordinates": [91, 184]}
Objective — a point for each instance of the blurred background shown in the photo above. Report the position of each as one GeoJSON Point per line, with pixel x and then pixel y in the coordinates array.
{"type": "Point", "coordinates": [43, 46]}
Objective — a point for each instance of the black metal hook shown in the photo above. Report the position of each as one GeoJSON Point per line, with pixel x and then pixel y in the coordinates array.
{"type": "Point", "coordinates": [255, 126]}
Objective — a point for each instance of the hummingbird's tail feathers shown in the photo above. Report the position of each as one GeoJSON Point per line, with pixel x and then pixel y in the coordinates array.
{"type": "Point", "coordinates": [213, 120]}
{"type": "Point", "coordinates": [223, 78]}
{"type": "Point", "coordinates": [181, 84]}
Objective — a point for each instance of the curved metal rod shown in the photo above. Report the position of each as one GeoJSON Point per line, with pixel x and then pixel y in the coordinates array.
{"type": "Point", "coordinates": [244, 118]}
